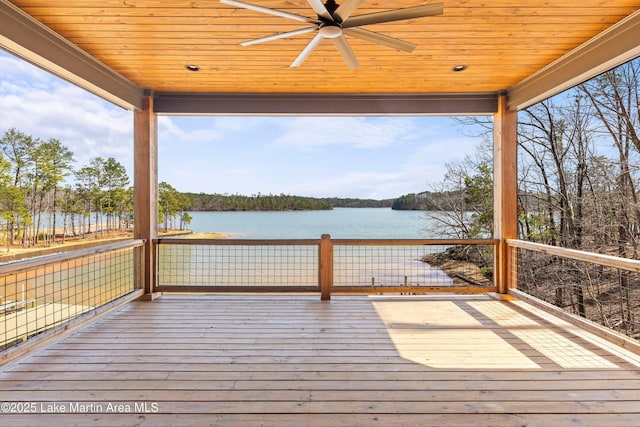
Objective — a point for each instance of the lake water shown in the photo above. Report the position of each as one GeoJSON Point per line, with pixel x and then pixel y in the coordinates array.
{"type": "Point", "coordinates": [340, 223]}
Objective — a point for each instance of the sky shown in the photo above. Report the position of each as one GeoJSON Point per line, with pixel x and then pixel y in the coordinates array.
{"type": "Point", "coordinates": [362, 157]}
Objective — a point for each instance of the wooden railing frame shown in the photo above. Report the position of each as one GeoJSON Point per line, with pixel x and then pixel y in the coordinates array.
{"type": "Point", "coordinates": [595, 328]}
{"type": "Point", "coordinates": [68, 327]}
{"type": "Point", "coordinates": [31, 263]}
{"type": "Point", "coordinates": [578, 255]}
{"type": "Point", "coordinates": [590, 257]}
{"type": "Point", "coordinates": [325, 263]}
{"type": "Point", "coordinates": [413, 242]}
{"type": "Point", "coordinates": [82, 320]}
{"type": "Point", "coordinates": [238, 242]}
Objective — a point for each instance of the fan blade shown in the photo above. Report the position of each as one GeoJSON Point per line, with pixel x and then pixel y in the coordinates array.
{"type": "Point", "coordinates": [307, 50]}
{"type": "Point", "coordinates": [347, 53]}
{"type": "Point", "coordinates": [279, 36]}
{"type": "Point", "coordinates": [394, 15]}
{"type": "Point", "coordinates": [346, 9]}
{"type": "Point", "coordinates": [266, 10]}
{"type": "Point", "coordinates": [319, 8]}
{"type": "Point", "coordinates": [378, 38]}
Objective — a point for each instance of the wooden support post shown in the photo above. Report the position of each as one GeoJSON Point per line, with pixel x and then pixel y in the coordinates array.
{"type": "Point", "coordinates": [145, 193]}
{"type": "Point", "coordinates": [325, 267]}
{"type": "Point", "coordinates": [505, 198]}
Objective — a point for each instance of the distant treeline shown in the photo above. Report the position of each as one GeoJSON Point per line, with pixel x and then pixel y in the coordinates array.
{"type": "Point", "coordinates": [425, 201]}
{"type": "Point", "coordinates": [360, 203]}
{"type": "Point", "coordinates": [273, 202]}
{"type": "Point", "coordinates": [257, 202]}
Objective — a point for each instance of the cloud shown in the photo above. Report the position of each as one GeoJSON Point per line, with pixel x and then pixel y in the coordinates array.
{"type": "Point", "coordinates": [360, 132]}
{"type": "Point", "coordinates": [441, 151]}
{"type": "Point", "coordinates": [21, 72]}
{"type": "Point", "coordinates": [199, 175]}
{"type": "Point", "coordinates": [366, 184]}
{"type": "Point", "coordinates": [43, 106]}
{"type": "Point", "coordinates": [199, 131]}
{"type": "Point", "coordinates": [170, 132]}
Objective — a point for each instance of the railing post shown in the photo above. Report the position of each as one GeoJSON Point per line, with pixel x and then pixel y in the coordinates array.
{"type": "Point", "coordinates": [512, 266]}
{"type": "Point", "coordinates": [139, 254]}
{"type": "Point", "coordinates": [325, 267]}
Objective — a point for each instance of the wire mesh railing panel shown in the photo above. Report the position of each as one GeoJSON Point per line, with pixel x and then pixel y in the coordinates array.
{"type": "Point", "coordinates": [604, 294]}
{"type": "Point", "coordinates": [412, 266]}
{"type": "Point", "coordinates": [237, 265]}
{"type": "Point", "coordinates": [46, 294]}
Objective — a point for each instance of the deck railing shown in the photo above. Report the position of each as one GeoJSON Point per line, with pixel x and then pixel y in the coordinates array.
{"type": "Point", "coordinates": [40, 294]}
{"type": "Point", "coordinates": [325, 265]}
{"type": "Point", "coordinates": [603, 289]}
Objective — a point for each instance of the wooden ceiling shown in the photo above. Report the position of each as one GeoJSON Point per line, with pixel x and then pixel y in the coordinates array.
{"type": "Point", "coordinates": [501, 42]}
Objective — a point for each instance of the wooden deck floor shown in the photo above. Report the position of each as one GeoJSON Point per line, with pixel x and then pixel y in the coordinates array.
{"type": "Point", "coordinates": [296, 361]}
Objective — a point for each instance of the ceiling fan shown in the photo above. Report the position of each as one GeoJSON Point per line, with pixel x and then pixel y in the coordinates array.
{"type": "Point", "coordinates": [334, 21]}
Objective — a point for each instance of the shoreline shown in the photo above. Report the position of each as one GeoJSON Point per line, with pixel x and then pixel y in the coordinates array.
{"type": "Point", "coordinates": [204, 235]}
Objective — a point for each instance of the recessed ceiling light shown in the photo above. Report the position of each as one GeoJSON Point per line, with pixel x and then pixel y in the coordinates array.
{"type": "Point", "coordinates": [192, 67]}
{"type": "Point", "coordinates": [459, 68]}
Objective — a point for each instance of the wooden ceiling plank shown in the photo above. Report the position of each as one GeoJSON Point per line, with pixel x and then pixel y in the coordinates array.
{"type": "Point", "coordinates": [63, 21]}
{"type": "Point", "coordinates": [230, 34]}
{"type": "Point", "coordinates": [302, 4]}
{"type": "Point", "coordinates": [106, 45]}
{"type": "Point", "coordinates": [502, 42]}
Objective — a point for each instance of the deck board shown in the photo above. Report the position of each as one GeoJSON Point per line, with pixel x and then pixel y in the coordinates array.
{"type": "Point", "coordinates": [354, 361]}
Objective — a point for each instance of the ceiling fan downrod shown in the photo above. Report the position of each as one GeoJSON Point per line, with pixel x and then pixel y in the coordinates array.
{"type": "Point", "coordinates": [331, 6]}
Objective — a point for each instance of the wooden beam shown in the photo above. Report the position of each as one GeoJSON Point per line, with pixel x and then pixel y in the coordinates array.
{"type": "Point", "coordinates": [505, 207]}
{"type": "Point", "coordinates": [614, 46]}
{"type": "Point", "coordinates": [325, 104]}
{"type": "Point", "coordinates": [145, 193]}
{"type": "Point", "coordinates": [32, 41]}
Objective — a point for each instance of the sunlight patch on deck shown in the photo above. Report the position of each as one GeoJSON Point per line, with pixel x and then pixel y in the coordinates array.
{"type": "Point", "coordinates": [440, 334]}
{"type": "Point", "coordinates": [562, 350]}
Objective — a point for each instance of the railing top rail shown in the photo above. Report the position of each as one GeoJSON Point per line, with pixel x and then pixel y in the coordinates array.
{"type": "Point", "coordinates": [412, 242]}
{"type": "Point", "coordinates": [351, 242]}
{"type": "Point", "coordinates": [239, 242]}
{"type": "Point", "coordinates": [592, 257]}
{"type": "Point", "coordinates": [28, 264]}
